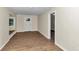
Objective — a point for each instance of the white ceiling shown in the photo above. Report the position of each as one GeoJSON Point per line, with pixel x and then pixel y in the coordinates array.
{"type": "Point", "coordinates": [29, 10]}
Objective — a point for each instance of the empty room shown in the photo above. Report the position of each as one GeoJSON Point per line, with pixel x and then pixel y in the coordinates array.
{"type": "Point", "coordinates": [39, 28]}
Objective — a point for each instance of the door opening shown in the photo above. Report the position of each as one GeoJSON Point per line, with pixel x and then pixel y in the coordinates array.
{"type": "Point", "coordinates": [52, 30]}
{"type": "Point", "coordinates": [28, 24]}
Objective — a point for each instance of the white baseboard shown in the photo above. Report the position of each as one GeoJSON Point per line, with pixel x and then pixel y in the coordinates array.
{"type": "Point", "coordinates": [19, 31]}
{"type": "Point", "coordinates": [4, 45]}
{"type": "Point", "coordinates": [26, 31]}
{"type": "Point", "coordinates": [61, 47]}
{"type": "Point", "coordinates": [12, 35]}
{"type": "Point", "coordinates": [8, 39]}
{"type": "Point", "coordinates": [44, 35]}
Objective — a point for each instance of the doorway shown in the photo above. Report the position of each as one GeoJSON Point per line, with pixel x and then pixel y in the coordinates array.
{"type": "Point", "coordinates": [28, 24]}
{"type": "Point", "coordinates": [52, 30]}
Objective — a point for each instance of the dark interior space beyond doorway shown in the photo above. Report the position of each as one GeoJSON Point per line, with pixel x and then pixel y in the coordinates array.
{"type": "Point", "coordinates": [52, 27]}
{"type": "Point", "coordinates": [53, 35]}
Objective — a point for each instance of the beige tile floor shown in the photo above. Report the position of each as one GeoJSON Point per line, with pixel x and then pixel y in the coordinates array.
{"type": "Point", "coordinates": [30, 41]}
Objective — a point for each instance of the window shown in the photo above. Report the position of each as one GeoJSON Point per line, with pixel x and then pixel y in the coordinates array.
{"type": "Point", "coordinates": [11, 22]}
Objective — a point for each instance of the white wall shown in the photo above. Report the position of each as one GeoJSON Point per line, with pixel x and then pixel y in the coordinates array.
{"type": "Point", "coordinates": [67, 28]}
{"type": "Point", "coordinates": [12, 14]}
{"type": "Point", "coordinates": [44, 24]}
{"type": "Point", "coordinates": [4, 28]}
{"type": "Point", "coordinates": [20, 22]}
